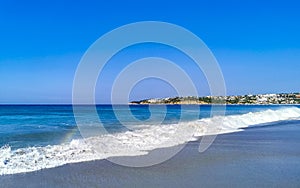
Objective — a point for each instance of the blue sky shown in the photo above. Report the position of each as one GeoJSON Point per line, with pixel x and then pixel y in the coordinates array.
{"type": "Point", "coordinates": [257, 44]}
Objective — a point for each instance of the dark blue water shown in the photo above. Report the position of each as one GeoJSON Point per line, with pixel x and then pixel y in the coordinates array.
{"type": "Point", "coordinates": [40, 125]}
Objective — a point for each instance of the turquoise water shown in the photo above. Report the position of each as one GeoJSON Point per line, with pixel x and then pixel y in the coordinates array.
{"type": "Point", "coordinates": [34, 137]}
{"type": "Point", "coordinates": [40, 125]}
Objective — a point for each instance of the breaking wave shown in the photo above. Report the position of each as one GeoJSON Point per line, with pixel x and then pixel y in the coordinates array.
{"type": "Point", "coordinates": [133, 143]}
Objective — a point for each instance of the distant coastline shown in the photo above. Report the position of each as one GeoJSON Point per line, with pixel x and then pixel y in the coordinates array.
{"type": "Point", "coordinates": [260, 99]}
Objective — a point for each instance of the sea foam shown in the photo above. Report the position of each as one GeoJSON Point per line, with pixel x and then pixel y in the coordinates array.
{"type": "Point", "coordinates": [133, 143]}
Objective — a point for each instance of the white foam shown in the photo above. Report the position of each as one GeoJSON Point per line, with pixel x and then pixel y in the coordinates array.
{"type": "Point", "coordinates": [132, 143]}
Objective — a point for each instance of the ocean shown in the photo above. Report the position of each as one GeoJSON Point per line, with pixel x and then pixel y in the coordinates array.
{"type": "Point", "coordinates": [36, 137]}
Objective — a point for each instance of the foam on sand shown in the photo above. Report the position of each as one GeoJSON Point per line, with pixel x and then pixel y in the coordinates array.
{"type": "Point", "coordinates": [132, 143]}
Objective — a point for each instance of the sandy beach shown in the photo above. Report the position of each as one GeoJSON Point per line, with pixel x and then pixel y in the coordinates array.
{"type": "Point", "coordinates": [266, 156]}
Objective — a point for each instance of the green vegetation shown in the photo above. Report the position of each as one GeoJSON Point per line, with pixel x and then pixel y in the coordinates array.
{"type": "Point", "coordinates": [282, 98]}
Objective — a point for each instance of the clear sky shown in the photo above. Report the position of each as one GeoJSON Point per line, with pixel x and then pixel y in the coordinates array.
{"type": "Point", "coordinates": [257, 43]}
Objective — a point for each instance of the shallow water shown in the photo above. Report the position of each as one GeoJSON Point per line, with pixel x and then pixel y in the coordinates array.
{"type": "Point", "coordinates": [266, 156]}
{"type": "Point", "coordinates": [38, 137]}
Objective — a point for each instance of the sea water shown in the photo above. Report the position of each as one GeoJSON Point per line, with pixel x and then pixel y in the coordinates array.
{"type": "Point", "coordinates": [34, 137]}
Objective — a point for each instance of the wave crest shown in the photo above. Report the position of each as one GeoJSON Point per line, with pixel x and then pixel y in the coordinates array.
{"type": "Point", "coordinates": [132, 143]}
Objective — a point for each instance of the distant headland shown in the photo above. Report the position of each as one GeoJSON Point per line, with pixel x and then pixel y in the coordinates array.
{"type": "Point", "coordinates": [282, 98]}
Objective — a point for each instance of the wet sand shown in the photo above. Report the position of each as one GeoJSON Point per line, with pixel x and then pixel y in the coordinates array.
{"type": "Point", "coordinates": [257, 157]}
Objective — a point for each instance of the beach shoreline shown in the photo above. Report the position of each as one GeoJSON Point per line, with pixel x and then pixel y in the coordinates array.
{"type": "Point", "coordinates": [257, 157]}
